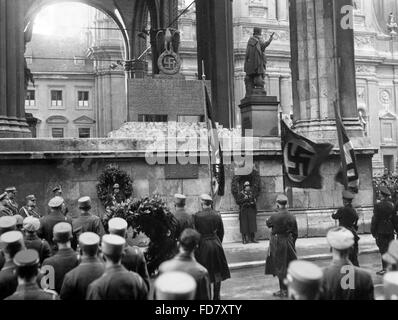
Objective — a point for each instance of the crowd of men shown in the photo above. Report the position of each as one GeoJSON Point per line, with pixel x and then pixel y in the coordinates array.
{"type": "Point", "coordinates": [52, 256]}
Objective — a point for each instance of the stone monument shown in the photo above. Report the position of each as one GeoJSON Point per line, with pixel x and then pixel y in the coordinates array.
{"type": "Point", "coordinates": [259, 111]}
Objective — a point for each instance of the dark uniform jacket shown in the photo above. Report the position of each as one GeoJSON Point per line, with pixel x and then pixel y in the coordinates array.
{"type": "Point", "coordinates": [331, 284]}
{"type": "Point", "coordinates": [4, 211]}
{"type": "Point", "coordinates": [8, 280]}
{"type": "Point", "coordinates": [248, 212]}
{"type": "Point", "coordinates": [13, 206]}
{"type": "Point", "coordinates": [76, 281]}
{"type": "Point", "coordinates": [87, 223]}
{"type": "Point", "coordinates": [383, 216]}
{"type": "Point", "coordinates": [210, 253]}
{"type": "Point", "coordinates": [347, 217]}
{"type": "Point", "coordinates": [282, 247]}
{"type": "Point", "coordinates": [134, 260]}
{"type": "Point", "coordinates": [185, 220]}
{"type": "Point", "coordinates": [47, 224]}
{"type": "Point", "coordinates": [2, 259]}
{"type": "Point", "coordinates": [32, 291]}
{"type": "Point", "coordinates": [187, 264]}
{"type": "Point", "coordinates": [63, 261]}
{"type": "Point", "coordinates": [29, 212]}
{"type": "Point", "coordinates": [118, 284]}
{"type": "Point", "coordinates": [32, 241]}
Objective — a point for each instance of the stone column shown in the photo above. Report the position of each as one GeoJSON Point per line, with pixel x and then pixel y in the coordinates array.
{"type": "Point", "coordinates": [315, 88]}
{"type": "Point", "coordinates": [12, 88]}
{"type": "Point", "coordinates": [215, 49]}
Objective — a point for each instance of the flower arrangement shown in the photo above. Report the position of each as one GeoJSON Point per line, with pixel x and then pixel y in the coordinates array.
{"type": "Point", "coordinates": [238, 182]}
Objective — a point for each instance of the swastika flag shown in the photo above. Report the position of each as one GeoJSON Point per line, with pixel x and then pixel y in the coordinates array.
{"type": "Point", "coordinates": [302, 159]}
{"type": "Point", "coordinates": [350, 161]}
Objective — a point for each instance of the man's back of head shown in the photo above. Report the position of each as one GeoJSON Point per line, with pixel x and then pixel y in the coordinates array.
{"type": "Point", "coordinates": [189, 240]}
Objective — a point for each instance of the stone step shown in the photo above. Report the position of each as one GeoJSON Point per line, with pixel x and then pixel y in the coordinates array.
{"type": "Point", "coordinates": [253, 255]}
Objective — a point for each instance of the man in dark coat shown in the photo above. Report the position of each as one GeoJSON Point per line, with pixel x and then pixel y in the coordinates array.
{"type": "Point", "coordinates": [12, 203]}
{"type": "Point", "coordinates": [66, 258]}
{"type": "Point", "coordinates": [185, 220]}
{"type": "Point", "coordinates": [87, 222]}
{"type": "Point", "coordinates": [342, 280]}
{"type": "Point", "coordinates": [29, 210]}
{"type": "Point", "coordinates": [4, 210]}
{"type": "Point", "coordinates": [32, 241]}
{"type": "Point", "coordinates": [210, 253]}
{"type": "Point", "coordinates": [116, 283]}
{"type": "Point", "coordinates": [47, 223]}
{"type": "Point", "coordinates": [185, 262]}
{"type": "Point", "coordinates": [248, 214]}
{"type": "Point", "coordinates": [91, 268]}
{"type": "Point", "coordinates": [133, 258]}
{"type": "Point", "coordinates": [348, 218]}
{"type": "Point", "coordinates": [382, 227]}
{"type": "Point", "coordinates": [282, 246]}
{"type": "Point", "coordinates": [255, 61]}
{"type": "Point", "coordinates": [27, 269]}
{"type": "Point", "coordinates": [12, 243]}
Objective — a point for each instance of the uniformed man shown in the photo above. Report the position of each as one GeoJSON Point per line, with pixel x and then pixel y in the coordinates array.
{"type": "Point", "coordinates": [391, 256]}
{"type": "Point", "coordinates": [7, 223]}
{"type": "Point", "coordinates": [390, 283]}
{"type": "Point", "coordinates": [27, 268]}
{"type": "Point", "coordinates": [133, 258]}
{"type": "Point", "coordinates": [304, 280]}
{"type": "Point", "coordinates": [116, 283]}
{"type": "Point", "coordinates": [342, 280]}
{"type": "Point", "coordinates": [29, 210]}
{"type": "Point", "coordinates": [248, 214]}
{"type": "Point", "coordinates": [118, 196]}
{"type": "Point", "coordinates": [91, 268]}
{"type": "Point", "coordinates": [87, 222]}
{"type": "Point", "coordinates": [66, 258]}
{"type": "Point", "coordinates": [12, 203]}
{"type": "Point", "coordinates": [382, 227]}
{"type": "Point", "coordinates": [282, 246]}
{"type": "Point", "coordinates": [185, 220]}
{"type": "Point", "coordinates": [12, 243]}
{"type": "Point", "coordinates": [348, 218]}
{"type": "Point", "coordinates": [175, 285]}
{"type": "Point", "coordinates": [185, 262]}
{"type": "Point", "coordinates": [210, 253]}
{"type": "Point", "coordinates": [4, 209]}
{"type": "Point", "coordinates": [48, 222]}
{"type": "Point", "coordinates": [32, 241]}
{"type": "Point", "coordinates": [19, 222]}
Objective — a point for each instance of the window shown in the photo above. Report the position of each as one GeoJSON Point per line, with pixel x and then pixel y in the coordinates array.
{"type": "Point", "coordinates": [57, 133]}
{"type": "Point", "coordinates": [84, 133]}
{"type": "Point", "coordinates": [82, 97]}
{"type": "Point", "coordinates": [29, 60]}
{"type": "Point", "coordinates": [389, 162]}
{"type": "Point", "coordinates": [152, 118]}
{"type": "Point", "coordinates": [56, 98]}
{"type": "Point", "coordinates": [191, 119]}
{"type": "Point", "coordinates": [30, 100]}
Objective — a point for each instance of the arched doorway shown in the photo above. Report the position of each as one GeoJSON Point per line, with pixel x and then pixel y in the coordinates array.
{"type": "Point", "coordinates": [77, 56]}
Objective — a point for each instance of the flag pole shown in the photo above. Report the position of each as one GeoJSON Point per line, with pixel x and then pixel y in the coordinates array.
{"type": "Point", "coordinates": [287, 190]}
{"type": "Point", "coordinates": [336, 104]}
{"type": "Point", "coordinates": [207, 126]}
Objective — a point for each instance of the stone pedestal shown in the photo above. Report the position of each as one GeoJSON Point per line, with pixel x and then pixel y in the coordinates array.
{"type": "Point", "coordinates": [259, 113]}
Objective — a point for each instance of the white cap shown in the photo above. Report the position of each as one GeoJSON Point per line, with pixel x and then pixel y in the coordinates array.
{"type": "Point", "coordinates": [340, 238]}
{"type": "Point", "coordinates": [175, 286]}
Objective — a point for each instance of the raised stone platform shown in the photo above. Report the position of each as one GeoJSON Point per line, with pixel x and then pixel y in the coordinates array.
{"type": "Point", "coordinates": [35, 166]}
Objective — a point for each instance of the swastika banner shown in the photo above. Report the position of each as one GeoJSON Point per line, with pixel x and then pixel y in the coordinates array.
{"type": "Point", "coordinates": [302, 159]}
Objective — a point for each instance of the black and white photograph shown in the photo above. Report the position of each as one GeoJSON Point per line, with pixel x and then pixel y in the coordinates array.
{"type": "Point", "coordinates": [198, 156]}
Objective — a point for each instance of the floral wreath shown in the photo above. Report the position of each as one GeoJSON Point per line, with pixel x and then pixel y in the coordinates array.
{"type": "Point", "coordinates": [238, 184]}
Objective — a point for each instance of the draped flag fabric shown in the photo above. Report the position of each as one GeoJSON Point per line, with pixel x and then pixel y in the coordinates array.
{"type": "Point", "coordinates": [350, 161]}
{"type": "Point", "coordinates": [302, 159]}
{"type": "Point", "coordinates": [216, 156]}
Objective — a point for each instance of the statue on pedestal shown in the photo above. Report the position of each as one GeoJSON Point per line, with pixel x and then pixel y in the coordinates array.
{"type": "Point", "coordinates": [256, 62]}
{"type": "Point", "coordinates": [392, 25]}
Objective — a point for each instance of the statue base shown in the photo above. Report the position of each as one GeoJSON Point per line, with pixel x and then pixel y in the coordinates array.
{"type": "Point", "coordinates": [259, 113]}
